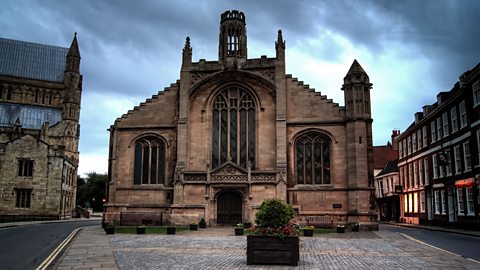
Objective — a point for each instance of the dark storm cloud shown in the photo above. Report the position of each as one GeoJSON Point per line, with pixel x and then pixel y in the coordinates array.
{"type": "Point", "coordinates": [132, 49]}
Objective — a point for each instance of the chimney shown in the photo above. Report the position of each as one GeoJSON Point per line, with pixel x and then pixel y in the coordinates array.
{"type": "Point", "coordinates": [418, 117]}
{"type": "Point", "coordinates": [395, 133]}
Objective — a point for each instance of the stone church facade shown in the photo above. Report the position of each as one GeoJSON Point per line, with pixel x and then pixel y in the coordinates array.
{"type": "Point", "coordinates": [233, 132]}
{"type": "Point", "coordinates": [40, 93]}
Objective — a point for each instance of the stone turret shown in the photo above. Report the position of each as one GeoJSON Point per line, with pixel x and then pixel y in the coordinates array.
{"type": "Point", "coordinates": [233, 37]}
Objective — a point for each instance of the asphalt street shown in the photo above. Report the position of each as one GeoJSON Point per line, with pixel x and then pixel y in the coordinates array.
{"type": "Point", "coordinates": [465, 246]}
{"type": "Point", "coordinates": [25, 247]}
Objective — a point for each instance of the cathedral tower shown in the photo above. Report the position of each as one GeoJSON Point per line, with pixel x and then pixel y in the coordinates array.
{"type": "Point", "coordinates": [233, 36]}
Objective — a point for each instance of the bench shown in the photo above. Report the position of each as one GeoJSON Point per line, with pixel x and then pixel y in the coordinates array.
{"type": "Point", "coordinates": [319, 221]}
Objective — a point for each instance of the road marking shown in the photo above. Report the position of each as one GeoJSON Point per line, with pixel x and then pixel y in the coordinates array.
{"type": "Point", "coordinates": [441, 249]}
{"type": "Point", "coordinates": [46, 263]}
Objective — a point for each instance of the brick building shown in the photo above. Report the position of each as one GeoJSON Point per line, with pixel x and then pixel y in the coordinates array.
{"type": "Point", "coordinates": [40, 92]}
{"type": "Point", "coordinates": [235, 131]}
{"type": "Point", "coordinates": [439, 158]}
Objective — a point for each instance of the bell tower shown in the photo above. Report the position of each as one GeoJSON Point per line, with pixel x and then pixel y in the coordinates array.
{"type": "Point", "coordinates": [233, 36]}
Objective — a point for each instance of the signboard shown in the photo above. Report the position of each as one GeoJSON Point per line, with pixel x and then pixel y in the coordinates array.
{"type": "Point", "coordinates": [337, 205]}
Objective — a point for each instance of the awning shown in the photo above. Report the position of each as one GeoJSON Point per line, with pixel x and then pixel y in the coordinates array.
{"type": "Point", "coordinates": [465, 183]}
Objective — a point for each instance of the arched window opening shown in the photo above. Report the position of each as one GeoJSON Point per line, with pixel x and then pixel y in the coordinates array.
{"type": "Point", "coordinates": [149, 167]}
{"type": "Point", "coordinates": [233, 128]}
{"type": "Point", "coordinates": [9, 92]}
{"type": "Point", "coordinates": [312, 156]}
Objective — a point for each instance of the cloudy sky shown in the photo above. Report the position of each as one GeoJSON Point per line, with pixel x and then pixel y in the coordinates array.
{"type": "Point", "coordinates": [132, 49]}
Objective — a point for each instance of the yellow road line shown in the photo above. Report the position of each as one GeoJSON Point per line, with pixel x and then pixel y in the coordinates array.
{"type": "Point", "coordinates": [441, 249]}
{"type": "Point", "coordinates": [44, 265]}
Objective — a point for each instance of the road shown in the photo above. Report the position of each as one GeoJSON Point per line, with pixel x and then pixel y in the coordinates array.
{"type": "Point", "coordinates": [466, 246]}
{"type": "Point", "coordinates": [25, 247]}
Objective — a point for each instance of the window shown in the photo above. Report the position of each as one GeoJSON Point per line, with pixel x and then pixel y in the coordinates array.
{"type": "Point", "coordinates": [444, 202]}
{"type": "Point", "coordinates": [458, 160]}
{"type": "Point", "coordinates": [421, 173]}
{"type": "Point", "coordinates": [380, 187]}
{"type": "Point", "coordinates": [476, 93]}
{"type": "Point", "coordinates": [410, 206]}
{"type": "Point", "coordinates": [149, 161]}
{"type": "Point", "coordinates": [433, 132]}
{"type": "Point", "coordinates": [419, 139]}
{"type": "Point", "coordinates": [312, 152]}
{"type": "Point", "coordinates": [23, 198]}
{"type": "Point", "coordinates": [424, 134]}
{"type": "Point", "coordinates": [405, 202]}
{"type": "Point", "coordinates": [415, 202]}
{"type": "Point", "coordinates": [466, 156]}
{"type": "Point", "coordinates": [470, 201]}
{"type": "Point", "coordinates": [439, 128]}
{"type": "Point", "coordinates": [410, 175]}
{"type": "Point", "coordinates": [400, 149]}
{"type": "Point", "coordinates": [436, 194]}
{"type": "Point", "coordinates": [478, 145]}
{"type": "Point", "coordinates": [435, 166]}
{"type": "Point", "coordinates": [422, 201]}
{"type": "Point", "coordinates": [446, 130]}
{"type": "Point", "coordinates": [463, 114]}
{"type": "Point", "coordinates": [409, 145]}
{"type": "Point", "coordinates": [460, 201]}
{"type": "Point", "coordinates": [233, 128]}
{"type": "Point", "coordinates": [404, 145]}
{"type": "Point", "coordinates": [25, 167]}
{"type": "Point", "coordinates": [415, 173]}
{"type": "Point", "coordinates": [1, 90]}
{"type": "Point", "coordinates": [425, 167]}
{"type": "Point", "coordinates": [453, 115]}
{"type": "Point", "coordinates": [414, 142]}
{"type": "Point", "coordinates": [448, 163]}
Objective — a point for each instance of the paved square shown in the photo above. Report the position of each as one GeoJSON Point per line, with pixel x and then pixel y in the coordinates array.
{"type": "Point", "coordinates": [364, 250]}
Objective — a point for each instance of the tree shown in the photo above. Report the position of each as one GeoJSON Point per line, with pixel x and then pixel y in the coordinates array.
{"type": "Point", "coordinates": [91, 191]}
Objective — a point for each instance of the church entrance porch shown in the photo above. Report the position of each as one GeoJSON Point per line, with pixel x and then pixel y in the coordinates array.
{"type": "Point", "coordinates": [229, 208]}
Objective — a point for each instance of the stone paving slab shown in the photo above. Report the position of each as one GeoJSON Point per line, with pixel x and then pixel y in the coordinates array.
{"type": "Point", "coordinates": [364, 250]}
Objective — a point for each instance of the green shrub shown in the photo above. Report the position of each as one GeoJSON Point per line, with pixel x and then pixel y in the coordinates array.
{"type": "Point", "coordinates": [274, 213]}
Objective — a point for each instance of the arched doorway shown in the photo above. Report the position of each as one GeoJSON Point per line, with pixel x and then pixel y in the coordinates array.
{"type": "Point", "coordinates": [229, 208]}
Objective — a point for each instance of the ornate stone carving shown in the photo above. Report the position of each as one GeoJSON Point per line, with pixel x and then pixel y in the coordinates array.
{"type": "Point", "coordinates": [195, 177]}
{"type": "Point", "coordinates": [264, 177]}
{"type": "Point", "coordinates": [229, 178]}
{"type": "Point", "coordinates": [269, 74]}
{"type": "Point", "coordinates": [197, 76]}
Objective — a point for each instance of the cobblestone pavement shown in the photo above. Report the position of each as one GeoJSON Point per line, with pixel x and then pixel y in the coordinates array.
{"type": "Point", "coordinates": [219, 249]}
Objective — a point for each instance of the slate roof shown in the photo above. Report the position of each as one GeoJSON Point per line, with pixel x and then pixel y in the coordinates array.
{"type": "Point", "coordinates": [392, 166]}
{"type": "Point", "coordinates": [32, 60]}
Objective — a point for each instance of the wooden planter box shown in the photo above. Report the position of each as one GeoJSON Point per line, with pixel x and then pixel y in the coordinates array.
{"type": "Point", "coordinates": [193, 227]}
{"type": "Point", "coordinates": [202, 225]}
{"type": "Point", "coordinates": [239, 231]}
{"type": "Point", "coordinates": [272, 250]}
{"type": "Point", "coordinates": [340, 229]}
{"type": "Point", "coordinates": [109, 230]}
{"type": "Point", "coordinates": [140, 230]}
{"type": "Point", "coordinates": [170, 230]}
{"type": "Point", "coordinates": [308, 233]}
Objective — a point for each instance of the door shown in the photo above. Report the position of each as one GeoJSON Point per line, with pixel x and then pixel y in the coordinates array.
{"type": "Point", "coordinates": [229, 208]}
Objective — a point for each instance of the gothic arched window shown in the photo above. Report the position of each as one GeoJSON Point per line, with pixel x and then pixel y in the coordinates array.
{"type": "Point", "coordinates": [233, 128]}
{"type": "Point", "coordinates": [312, 159]}
{"type": "Point", "coordinates": [149, 161]}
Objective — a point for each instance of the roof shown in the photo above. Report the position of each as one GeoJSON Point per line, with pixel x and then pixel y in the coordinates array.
{"type": "Point", "coordinates": [32, 60]}
{"type": "Point", "coordinates": [382, 154]}
{"type": "Point", "coordinates": [392, 166]}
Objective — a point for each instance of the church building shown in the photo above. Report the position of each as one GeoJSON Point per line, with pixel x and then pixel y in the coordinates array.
{"type": "Point", "coordinates": [40, 94]}
{"type": "Point", "coordinates": [233, 132]}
